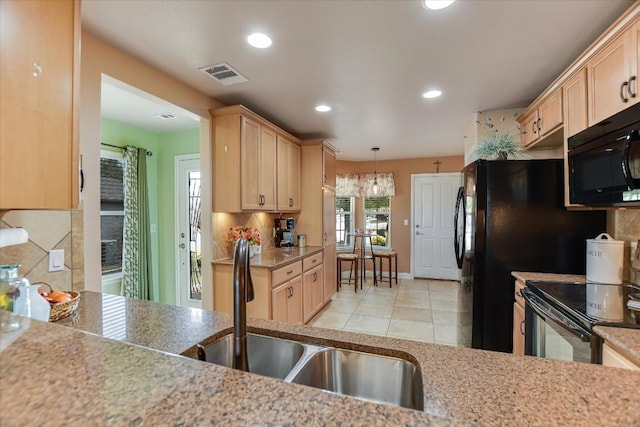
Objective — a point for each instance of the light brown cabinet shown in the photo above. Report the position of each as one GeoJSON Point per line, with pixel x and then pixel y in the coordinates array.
{"type": "Point", "coordinates": [612, 75]}
{"type": "Point", "coordinates": [312, 292]}
{"type": "Point", "coordinates": [39, 82]}
{"type": "Point", "coordinates": [614, 358]}
{"type": "Point", "coordinates": [518, 319]}
{"type": "Point", "coordinates": [287, 301]}
{"type": "Point", "coordinates": [317, 218]}
{"type": "Point", "coordinates": [542, 119]}
{"type": "Point", "coordinates": [288, 175]}
{"type": "Point", "coordinates": [245, 165]}
{"type": "Point", "coordinates": [574, 92]}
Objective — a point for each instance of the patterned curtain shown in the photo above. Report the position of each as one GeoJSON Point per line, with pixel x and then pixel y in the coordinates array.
{"type": "Point", "coordinates": [361, 185]}
{"type": "Point", "coordinates": [136, 256]}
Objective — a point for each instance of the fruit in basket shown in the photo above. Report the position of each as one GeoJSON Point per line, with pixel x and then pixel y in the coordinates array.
{"type": "Point", "coordinates": [57, 297]}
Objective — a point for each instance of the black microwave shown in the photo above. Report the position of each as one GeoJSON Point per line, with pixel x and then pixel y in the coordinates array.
{"type": "Point", "coordinates": [604, 162]}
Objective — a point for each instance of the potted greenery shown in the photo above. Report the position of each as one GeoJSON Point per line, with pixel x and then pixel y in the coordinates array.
{"type": "Point", "coordinates": [498, 144]}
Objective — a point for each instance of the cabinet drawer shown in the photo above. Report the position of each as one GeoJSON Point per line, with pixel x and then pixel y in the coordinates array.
{"type": "Point", "coordinates": [285, 273]}
{"type": "Point", "coordinates": [312, 261]}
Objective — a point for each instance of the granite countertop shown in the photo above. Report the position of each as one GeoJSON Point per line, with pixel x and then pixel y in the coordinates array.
{"type": "Point", "coordinates": [626, 340]}
{"type": "Point", "coordinates": [275, 257]}
{"type": "Point", "coordinates": [136, 377]}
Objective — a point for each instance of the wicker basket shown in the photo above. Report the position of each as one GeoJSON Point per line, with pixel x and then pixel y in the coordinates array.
{"type": "Point", "coordinates": [62, 309]}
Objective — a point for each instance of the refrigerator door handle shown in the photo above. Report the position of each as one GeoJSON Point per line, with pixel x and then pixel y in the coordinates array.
{"type": "Point", "coordinates": [458, 244]}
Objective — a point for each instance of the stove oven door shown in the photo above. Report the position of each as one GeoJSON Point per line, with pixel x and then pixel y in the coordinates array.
{"type": "Point", "coordinates": [552, 334]}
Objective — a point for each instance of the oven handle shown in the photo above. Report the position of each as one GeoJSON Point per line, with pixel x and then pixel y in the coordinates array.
{"type": "Point", "coordinates": [626, 167]}
{"type": "Point", "coordinates": [566, 323]}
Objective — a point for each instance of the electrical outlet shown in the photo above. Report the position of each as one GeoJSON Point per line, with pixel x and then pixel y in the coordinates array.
{"type": "Point", "coordinates": [56, 260]}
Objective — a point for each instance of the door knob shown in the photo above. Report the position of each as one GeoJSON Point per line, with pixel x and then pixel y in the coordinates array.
{"type": "Point", "coordinates": [182, 246]}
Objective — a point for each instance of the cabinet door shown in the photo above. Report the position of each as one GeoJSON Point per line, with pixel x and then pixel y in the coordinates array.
{"type": "Point", "coordinates": [575, 103]}
{"type": "Point", "coordinates": [518, 329]}
{"type": "Point", "coordinates": [312, 293]}
{"type": "Point", "coordinates": [294, 306]}
{"type": "Point", "coordinates": [635, 61]}
{"type": "Point", "coordinates": [38, 93]}
{"type": "Point", "coordinates": [280, 301]}
{"type": "Point", "coordinates": [529, 124]}
{"type": "Point", "coordinates": [250, 164]}
{"type": "Point", "coordinates": [611, 357]}
{"type": "Point", "coordinates": [294, 177]}
{"type": "Point", "coordinates": [550, 113]}
{"type": "Point", "coordinates": [268, 158]}
{"type": "Point", "coordinates": [607, 73]}
{"type": "Point", "coordinates": [328, 217]}
{"type": "Point", "coordinates": [329, 275]}
{"type": "Point", "coordinates": [328, 167]}
{"type": "Point", "coordinates": [288, 175]}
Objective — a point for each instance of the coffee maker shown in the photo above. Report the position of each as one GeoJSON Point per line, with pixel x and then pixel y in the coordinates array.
{"type": "Point", "coordinates": [284, 232]}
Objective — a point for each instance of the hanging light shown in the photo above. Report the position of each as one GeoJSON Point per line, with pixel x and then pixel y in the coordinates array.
{"type": "Point", "coordinates": [375, 187]}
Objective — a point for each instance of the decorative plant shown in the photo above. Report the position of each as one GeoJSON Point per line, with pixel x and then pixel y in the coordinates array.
{"type": "Point", "coordinates": [499, 144]}
{"type": "Point", "coordinates": [237, 232]}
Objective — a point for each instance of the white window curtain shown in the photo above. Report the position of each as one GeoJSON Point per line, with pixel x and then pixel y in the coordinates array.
{"type": "Point", "coordinates": [361, 185]}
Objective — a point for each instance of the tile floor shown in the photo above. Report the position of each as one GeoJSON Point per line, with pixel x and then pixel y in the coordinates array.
{"type": "Point", "coordinates": [419, 309]}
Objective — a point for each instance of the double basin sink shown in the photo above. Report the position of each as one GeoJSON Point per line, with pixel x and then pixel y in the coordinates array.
{"type": "Point", "coordinates": [367, 376]}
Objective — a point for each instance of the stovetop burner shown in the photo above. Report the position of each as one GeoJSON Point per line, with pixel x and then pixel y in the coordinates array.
{"type": "Point", "coordinates": [591, 303]}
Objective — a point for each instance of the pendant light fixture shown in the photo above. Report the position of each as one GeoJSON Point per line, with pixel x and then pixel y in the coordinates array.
{"type": "Point", "coordinates": [375, 188]}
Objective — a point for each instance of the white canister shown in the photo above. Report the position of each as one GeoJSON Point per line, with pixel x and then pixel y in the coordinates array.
{"type": "Point", "coordinates": [605, 258]}
{"type": "Point", "coordinates": [302, 240]}
{"type": "Point", "coordinates": [605, 302]}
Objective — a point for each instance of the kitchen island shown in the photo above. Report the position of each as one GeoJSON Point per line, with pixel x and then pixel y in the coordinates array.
{"type": "Point", "coordinates": [120, 361]}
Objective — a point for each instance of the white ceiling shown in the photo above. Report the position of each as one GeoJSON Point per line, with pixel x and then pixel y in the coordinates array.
{"type": "Point", "coordinates": [370, 60]}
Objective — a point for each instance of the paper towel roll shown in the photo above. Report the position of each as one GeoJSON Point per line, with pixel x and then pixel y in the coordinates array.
{"type": "Point", "coordinates": [13, 236]}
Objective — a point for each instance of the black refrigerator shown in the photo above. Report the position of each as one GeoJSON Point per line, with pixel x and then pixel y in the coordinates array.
{"type": "Point", "coordinates": [510, 216]}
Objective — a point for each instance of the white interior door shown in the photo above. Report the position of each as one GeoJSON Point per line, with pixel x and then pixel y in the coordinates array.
{"type": "Point", "coordinates": [434, 199]}
{"type": "Point", "coordinates": [188, 227]}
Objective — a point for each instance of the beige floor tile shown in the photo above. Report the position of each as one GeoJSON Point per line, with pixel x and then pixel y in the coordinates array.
{"type": "Point", "coordinates": [367, 324]}
{"type": "Point", "coordinates": [447, 334]}
{"type": "Point", "coordinates": [331, 320]}
{"type": "Point", "coordinates": [410, 329]}
{"type": "Point", "coordinates": [413, 293]}
{"type": "Point", "coordinates": [443, 285]}
{"type": "Point", "coordinates": [415, 285]}
{"type": "Point", "coordinates": [409, 313]}
{"type": "Point", "coordinates": [379, 299]}
{"type": "Point", "coordinates": [347, 295]}
{"type": "Point", "coordinates": [413, 302]}
{"type": "Point", "coordinates": [382, 291]}
{"type": "Point", "coordinates": [444, 296]}
{"type": "Point", "coordinates": [376, 310]}
{"type": "Point", "coordinates": [342, 306]}
{"type": "Point", "coordinates": [445, 317]}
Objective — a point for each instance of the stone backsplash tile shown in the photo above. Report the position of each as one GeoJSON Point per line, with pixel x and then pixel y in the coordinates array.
{"type": "Point", "coordinates": [46, 228]}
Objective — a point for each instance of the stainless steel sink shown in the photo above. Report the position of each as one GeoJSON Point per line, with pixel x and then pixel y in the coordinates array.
{"type": "Point", "coordinates": [367, 376]}
{"type": "Point", "coordinates": [268, 356]}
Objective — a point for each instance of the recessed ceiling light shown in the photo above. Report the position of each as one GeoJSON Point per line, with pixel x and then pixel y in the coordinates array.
{"type": "Point", "coordinates": [436, 4]}
{"type": "Point", "coordinates": [259, 40]}
{"type": "Point", "coordinates": [432, 94]}
{"type": "Point", "coordinates": [323, 108]}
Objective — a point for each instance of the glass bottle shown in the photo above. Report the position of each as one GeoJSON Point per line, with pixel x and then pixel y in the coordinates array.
{"type": "Point", "coordinates": [10, 283]}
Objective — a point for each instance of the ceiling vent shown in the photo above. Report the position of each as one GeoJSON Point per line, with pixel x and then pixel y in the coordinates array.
{"type": "Point", "coordinates": [165, 116]}
{"type": "Point", "coordinates": [224, 74]}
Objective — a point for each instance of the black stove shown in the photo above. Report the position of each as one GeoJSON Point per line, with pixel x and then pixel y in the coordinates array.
{"type": "Point", "coordinates": [592, 303]}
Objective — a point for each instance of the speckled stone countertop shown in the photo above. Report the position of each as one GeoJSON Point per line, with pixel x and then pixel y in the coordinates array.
{"type": "Point", "coordinates": [276, 257]}
{"type": "Point", "coordinates": [109, 381]}
{"type": "Point", "coordinates": [625, 339]}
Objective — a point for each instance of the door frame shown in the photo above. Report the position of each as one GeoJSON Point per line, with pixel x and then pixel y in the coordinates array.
{"type": "Point", "coordinates": [415, 176]}
{"type": "Point", "coordinates": [177, 184]}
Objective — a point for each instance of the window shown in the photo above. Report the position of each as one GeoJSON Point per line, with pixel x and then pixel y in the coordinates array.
{"type": "Point", "coordinates": [377, 216]}
{"type": "Point", "coordinates": [111, 211]}
{"type": "Point", "coordinates": [344, 220]}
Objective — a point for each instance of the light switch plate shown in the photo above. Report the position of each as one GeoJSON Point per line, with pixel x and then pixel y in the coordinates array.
{"type": "Point", "coordinates": [56, 260]}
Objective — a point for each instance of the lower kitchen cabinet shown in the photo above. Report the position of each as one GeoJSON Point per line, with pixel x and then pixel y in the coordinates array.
{"type": "Point", "coordinates": [518, 319]}
{"type": "Point", "coordinates": [312, 293]}
{"type": "Point", "coordinates": [612, 357]}
{"type": "Point", "coordinates": [330, 273]}
{"type": "Point", "coordinates": [287, 301]}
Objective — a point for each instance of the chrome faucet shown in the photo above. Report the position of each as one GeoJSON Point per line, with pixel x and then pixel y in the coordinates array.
{"type": "Point", "coordinates": [242, 293]}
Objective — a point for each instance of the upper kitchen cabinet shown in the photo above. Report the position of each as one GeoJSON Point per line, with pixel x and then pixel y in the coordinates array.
{"type": "Point", "coordinates": [245, 161]}
{"type": "Point", "coordinates": [542, 120]}
{"type": "Point", "coordinates": [288, 175]}
{"type": "Point", "coordinates": [39, 81]}
{"type": "Point", "coordinates": [612, 75]}
{"type": "Point", "coordinates": [329, 167]}
{"type": "Point", "coordinates": [574, 92]}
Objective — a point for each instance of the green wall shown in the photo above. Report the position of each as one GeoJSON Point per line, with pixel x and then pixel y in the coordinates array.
{"type": "Point", "coordinates": [160, 174]}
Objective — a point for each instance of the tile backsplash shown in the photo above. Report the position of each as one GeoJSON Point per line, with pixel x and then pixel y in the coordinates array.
{"type": "Point", "coordinates": [48, 229]}
{"type": "Point", "coordinates": [625, 224]}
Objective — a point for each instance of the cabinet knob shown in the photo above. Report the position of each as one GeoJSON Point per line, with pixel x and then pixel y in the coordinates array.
{"type": "Point", "coordinates": [37, 69]}
{"type": "Point", "coordinates": [632, 94]}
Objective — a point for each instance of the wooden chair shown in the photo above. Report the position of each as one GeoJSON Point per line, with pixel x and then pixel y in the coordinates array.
{"type": "Point", "coordinates": [392, 257]}
{"type": "Point", "coordinates": [354, 261]}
